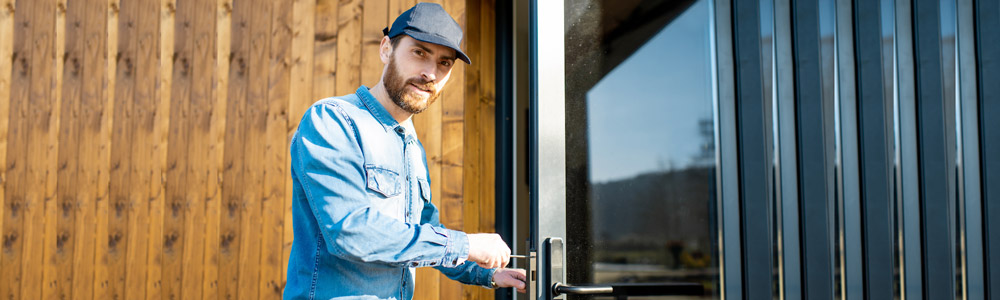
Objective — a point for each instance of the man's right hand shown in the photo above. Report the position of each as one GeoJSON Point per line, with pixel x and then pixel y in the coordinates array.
{"type": "Point", "coordinates": [488, 250]}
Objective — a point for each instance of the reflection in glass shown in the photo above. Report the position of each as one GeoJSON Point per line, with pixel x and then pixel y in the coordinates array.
{"type": "Point", "coordinates": [640, 143]}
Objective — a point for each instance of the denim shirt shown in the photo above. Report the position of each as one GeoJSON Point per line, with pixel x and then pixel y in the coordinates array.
{"type": "Point", "coordinates": [361, 207]}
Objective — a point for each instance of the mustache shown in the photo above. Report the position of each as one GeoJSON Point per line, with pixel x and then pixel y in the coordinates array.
{"type": "Point", "coordinates": [422, 84]}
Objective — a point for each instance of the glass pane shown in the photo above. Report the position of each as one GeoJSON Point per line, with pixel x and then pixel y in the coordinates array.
{"type": "Point", "coordinates": [640, 143]}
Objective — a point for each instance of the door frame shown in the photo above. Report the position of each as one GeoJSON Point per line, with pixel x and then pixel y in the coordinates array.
{"type": "Point", "coordinates": [532, 142]}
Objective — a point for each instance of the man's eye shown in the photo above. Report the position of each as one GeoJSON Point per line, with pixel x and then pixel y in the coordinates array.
{"type": "Point", "coordinates": [418, 52]}
{"type": "Point", "coordinates": [445, 63]}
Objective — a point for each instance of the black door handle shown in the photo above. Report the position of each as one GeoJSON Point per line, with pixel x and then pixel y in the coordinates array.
{"type": "Point", "coordinates": [624, 290]}
{"type": "Point", "coordinates": [555, 273]}
{"type": "Point", "coordinates": [561, 288]}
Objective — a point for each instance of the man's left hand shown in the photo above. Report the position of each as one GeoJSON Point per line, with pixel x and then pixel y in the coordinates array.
{"type": "Point", "coordinates": [514, 278]}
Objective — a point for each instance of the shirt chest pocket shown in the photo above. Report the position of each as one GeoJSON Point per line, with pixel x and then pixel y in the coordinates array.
{"type": "Point", "coordinates": [385, 191]}
{"type": "Point", "coordinates": [383, 181]}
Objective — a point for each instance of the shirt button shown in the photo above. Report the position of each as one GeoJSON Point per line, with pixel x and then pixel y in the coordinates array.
{"type": "Point", "coordinates": [400, 130]}
{"type": "Point", "coordinates": [414, 264]}
{"type": "Point", "coordinates": [434, 263]}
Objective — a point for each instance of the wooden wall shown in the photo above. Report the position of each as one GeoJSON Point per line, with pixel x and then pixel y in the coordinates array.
{"type": "Point", "coordinates": [144, 142]}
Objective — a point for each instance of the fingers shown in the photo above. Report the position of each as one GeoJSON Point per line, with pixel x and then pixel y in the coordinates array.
{"type": "Point", "coordinates": [505, 259]}
{"type": "Point", "coordinates": [519, 285]}
{"type": "Point", "coordinates": [520, 274]}
{"type": "Point", "coordinates": [488, 250]}
{"type": "Point", "coordinates": [514, 278]}
{"type": "Point", "coordinates": [490, 264]}
{"type": "Point", "coordinates": [504, 251]}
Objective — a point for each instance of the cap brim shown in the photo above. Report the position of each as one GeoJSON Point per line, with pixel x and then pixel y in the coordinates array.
{"type": "Point", "coordinates": [430, 38]}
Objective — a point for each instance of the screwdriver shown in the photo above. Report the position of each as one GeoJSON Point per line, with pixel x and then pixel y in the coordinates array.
{"type": "Point", "coordinates": [518, 256]}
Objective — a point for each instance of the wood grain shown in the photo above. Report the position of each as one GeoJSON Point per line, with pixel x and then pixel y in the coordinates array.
{"type": "Point", "coordinates": [102, 263]}
{"type": "Point", "coordinates": [325, 36]}
{"type": "Point", "coordinates": [144, 144]}
{"type": "Point", "coordinates": [41, 126]}
{"type": "Point", "coordinates": [372, 23]}
{"type": "Point", "coordinates": [235, 136]}
{"type": "Point", "coordinates": [147, 112]}
{"type": "Point", "coordinates": [213, 209]}
{"type": "Point", "coordinates": [60, 242]}
{"type": "Point", "coordinates": [254, 151]}
{"type": "Point", "coordinates": [300, 97]}
{"type": "Point", "coordinates": [349, 45]}
{"type": "Point", "coordinates": [275, 152]}
{"type": "Point", "coordinates": [6, 63]}
{"type": "Point", "coordinates": [15, 169]}
{"type": "Point", "coordinates": [175, 219]}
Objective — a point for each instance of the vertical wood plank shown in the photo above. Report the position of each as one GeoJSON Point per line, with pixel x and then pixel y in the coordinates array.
{"type": "Point", "coordinates": [485, 106]}
{"type": "Point", "coordinates": [102, 240]}
{"type": "Point", "coordinates": [173, 236]}
{"type": "Point", "coordinates": [233, 158]}
{"type": "Point", "coordinates": [146, 114]}
{"type": "Point", "coordinates": [472, 177]}
{"type": "Point", "coordinates": [42, 126]}
{"type": "Point", "coordinates": [275, 150]}
{"type": "Point", "coordinates": [300, 97]}
{"type": "Point", "coordinates": [13, 221]}
{"type": "Point", "coordinates": [473, 180]}
{"type": "Point", "coordinates": [223, 11]}
{"type": "Point", "coordinates": [349, 54]}
{"type": "Point", "coordinates": [325, 48]}
{"type": "Point", "coordinates": [93, 146]}
{"type": "Point", "coordinates": [13, 227]}
{"type": "Point", "coordinates": [198, 67]}
{"type": "Point", "coordinates": [6, 62]}
{"type": "Point", "coordinates": [397, 7]}
{"type": "Point", "coordinates": [161, 135]}
{"type": "Point", "coordinates": [59, 277]}
{"type": "Point", "coordinates": [372, 23]}
{"type": "Point", "coordinates": [55, 225]}
{"type": "Point", "coordinates": [250, 221]}
{"type": "Point", "coordinates": [121, 152]}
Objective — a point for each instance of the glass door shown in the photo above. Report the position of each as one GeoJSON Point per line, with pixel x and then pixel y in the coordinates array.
{"type": "Point", "coordinates": [622, 163]}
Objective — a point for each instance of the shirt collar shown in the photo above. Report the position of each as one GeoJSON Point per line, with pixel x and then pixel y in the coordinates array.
{"type": "Point", "coordinates": [376, 108]}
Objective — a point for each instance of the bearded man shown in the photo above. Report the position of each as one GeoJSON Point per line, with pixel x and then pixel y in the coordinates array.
{"type": "Point", "coordinates": [362, 211]}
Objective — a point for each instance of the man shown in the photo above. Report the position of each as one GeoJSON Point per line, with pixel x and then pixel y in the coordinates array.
{"type": "Point", "coordinates": [362, 211]}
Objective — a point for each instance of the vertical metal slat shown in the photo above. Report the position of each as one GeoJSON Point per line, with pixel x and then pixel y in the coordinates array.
{"type": "Point", "coordinates": [753, 157]}
{"type": "Point", "coordinates": [988, 54]}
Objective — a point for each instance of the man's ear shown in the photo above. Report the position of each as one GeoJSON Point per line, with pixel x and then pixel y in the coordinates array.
{"type": "Point", "coordinates": [385, 49]}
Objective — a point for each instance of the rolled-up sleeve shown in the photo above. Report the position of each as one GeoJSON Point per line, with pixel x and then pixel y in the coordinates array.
{"type": "Point", "coordinates": [328, 162]}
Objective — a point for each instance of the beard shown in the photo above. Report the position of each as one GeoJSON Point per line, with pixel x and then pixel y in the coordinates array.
{"type": "Point", "coordinates": [412, 102]}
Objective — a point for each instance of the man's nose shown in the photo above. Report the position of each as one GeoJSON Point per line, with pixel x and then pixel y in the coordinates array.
{"type": "Point", "coordinates": [427, 72]}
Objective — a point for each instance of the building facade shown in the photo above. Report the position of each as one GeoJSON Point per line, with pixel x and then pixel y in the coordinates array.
{"type": "Point", "coordinates": [757, 149]}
